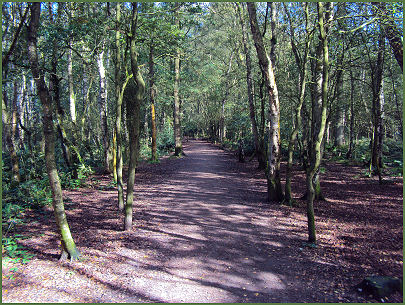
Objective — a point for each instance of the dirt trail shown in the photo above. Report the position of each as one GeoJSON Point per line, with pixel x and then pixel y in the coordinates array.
{"type": "Point", "coordinates": [203, 232]}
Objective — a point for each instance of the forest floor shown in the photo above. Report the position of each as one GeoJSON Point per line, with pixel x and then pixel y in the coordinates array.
{"type": "Point", "coordinates": [203, 232]}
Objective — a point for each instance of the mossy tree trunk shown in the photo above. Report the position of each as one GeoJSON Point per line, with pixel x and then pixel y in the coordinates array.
{"type": "Point", "coordinates": [275, 192]}
{"type": "Point", "coordinates": [319, 108]}
{"type": "Point", "coordinates": [303, 73]}
{"type": "Point", "coordinates": [133, 120]}
{"type": "Point", "coordinates": [68, 246]}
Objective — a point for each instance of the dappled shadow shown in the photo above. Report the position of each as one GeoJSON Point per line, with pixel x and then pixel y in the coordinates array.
{"type": "Point", "coordinates": [203, 232]}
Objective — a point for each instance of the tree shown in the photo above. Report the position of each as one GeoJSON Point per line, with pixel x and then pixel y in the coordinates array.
{"type": "Point", "coordinates": [68, 246]}
{"type": "Point", "coordinates": [319, 108]}
{"type": "Point", "coordinates": [378, 107]}
{"type": "Point", "coordinates": [259, 145]}
{"type": "Point", "coordinates": [301, 62]}
{"type": "Point", "coordinates": [178, 150]}
{"type": "Point", "coordinates": [118, 96]}
{"type": "Point", "coordinates": [152, 97]}
{"type": "Point", "coordinates": [390, 30]}
{"type": "Point", "coordinates": [275, 192]}
{"type": "Point", "coordinates": [133, 118]}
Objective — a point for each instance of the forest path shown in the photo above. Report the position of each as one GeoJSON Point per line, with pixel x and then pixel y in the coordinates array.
{"type": "Point", "coordinates": [203, 232]}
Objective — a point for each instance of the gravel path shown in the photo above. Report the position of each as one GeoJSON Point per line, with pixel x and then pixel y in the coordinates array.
{"type": "Point", "coordinates": [203, 232]}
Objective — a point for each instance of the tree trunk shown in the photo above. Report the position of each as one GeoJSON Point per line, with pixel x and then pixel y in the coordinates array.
{"type": "Point", "coordinates": [152, 96]}
{"type": "Point", "coordinates": [68, 246]}
{"type": "Point", "coordinates": [118, 112]}
{"type": "Point", "coordinates": [301, 64]}
{"type": "Point", "coordinates": [378, 99]}
{"type": "Point", "coordinates": [7, 132]}
{"type": "Point", "coordinates": [351, 132]}
{"type": "Point", "coordinates": [340, 114]}
{"type": "Point", "coordinates": [325, 16]}
{"type": "Point", "coordinates": [102, 106]}
{"type": "Point", "coordinates": [72, 96]}
{"type": "Point", "coordinates": [178, 150]}
{"type": "Point", "coordinates": [275, 192]}
{"type": "Point", "coordinates": [133, 120]}
{"type": "Point", "coordinates": [391, 32]}
{"type": "Point", "coordinates": [259, 149]}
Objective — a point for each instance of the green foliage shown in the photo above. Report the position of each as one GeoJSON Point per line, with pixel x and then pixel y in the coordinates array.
{"type": "Point", "coordinates": [392, 155]}
{"type": "Point", "coordinates": [165, 139]}
{"type": "Point", "coordinates": [15, 252]}
{"type": "Point", "coordinates": [68, 182]}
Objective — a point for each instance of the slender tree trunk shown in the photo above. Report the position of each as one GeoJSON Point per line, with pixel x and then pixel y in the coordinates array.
{"type": "Point", "coordinates": [114, 156]}
{"type": "Point", "coordinates": [397, 105]}
{"type": "Point", "coordinates": [275, 192]}
{"type": "Point", "coordinates": [325, 16]}
{"type": "Point", "coordinates": [378, 98]}
{"type": "Point", "coordinates": [54, 89]}
{"type": "Point", "coordinates": [221, 127]}
{"type": "Point", "coordinates": [118, 112]}
{"type": "Point", "coordinates": [133, 120]}
{"type": "Point", "coordinates": [102, 106]}
{"type": "Point", "coordinates": [259, 149]}
{"type": "Point", "coordinates": [72, 96]}
{"type": "Point", "coordinates": [68, 246]}
{"type": "Point", "coordinates": [301, 64]}
{"type": "Point", "coordinates": [7, 132]}
{"type": "Point", "coordinates": [351, 132]}
{"type": "Point", "coordinates": [340, 118]}
{"type": "Point", "coordinates": [152, 96]}
{"type": "Point", "coordinates": [178, 150]}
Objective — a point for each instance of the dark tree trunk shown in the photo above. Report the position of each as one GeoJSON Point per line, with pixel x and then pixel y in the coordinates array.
{"type": "Point", "coordinates": [302, 69]}
{"type": "Point", "coordinates": [319, 108]}
{"type": "Point", "coordinates": [378, 97]}
{"type": "Point", "coordinates": [68, 246]}
{"type": "Point", "coordinates": [133, 120]}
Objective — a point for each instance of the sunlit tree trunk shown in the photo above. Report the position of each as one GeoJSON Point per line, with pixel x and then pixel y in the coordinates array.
{"type": "Point", "coordinates": [72, 96]}
{"type": "Point", "coordinates": [102, 106]}
{"type": "Point", "coordinates": [118, 112]}
{"type": "Point", "coordinates": [259, 149]}
{"type": "Point", "coordinates": [178, 150]}
{"type": "Point", "coordinates": [152, 96]}
{"type": "Point", "coordinates": [68, 246]}
{"type": "Point", "coordinates": [7, 133]}
{"type": "Point", "coordinates": [275, 192]}
{"type": "Point", "coordinates": [340, 112]}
